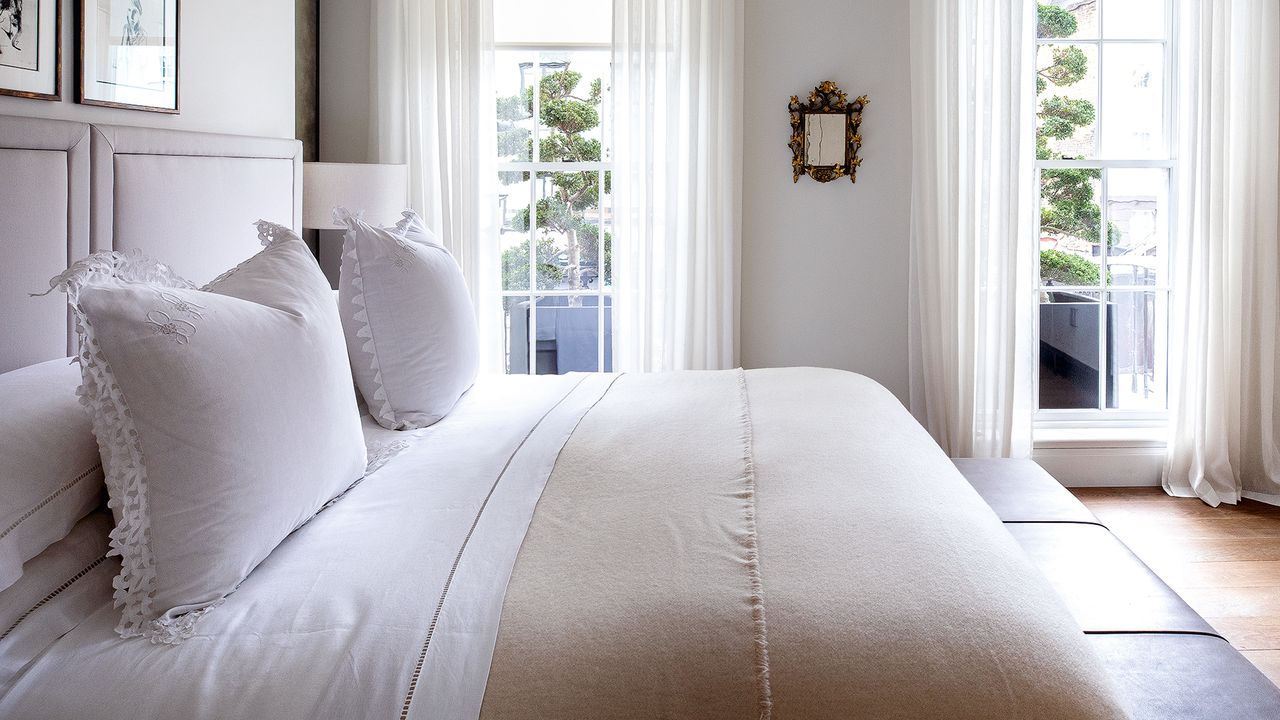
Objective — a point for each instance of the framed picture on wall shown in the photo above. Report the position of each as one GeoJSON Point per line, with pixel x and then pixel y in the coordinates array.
{"type": "Point", "coordinates": [31, 48]}
{"type": "Point", "coordinates": [129, 54]}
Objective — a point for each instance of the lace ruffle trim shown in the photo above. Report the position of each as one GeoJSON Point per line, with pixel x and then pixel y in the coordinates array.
{"type": "Point", "coordinates": [269, 234]}
{"type": "Point", "coordinates": [379, 405]}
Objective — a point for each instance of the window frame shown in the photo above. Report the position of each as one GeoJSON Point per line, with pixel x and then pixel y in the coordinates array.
{"type": "Point", "coordinates": [1102, 417]}
{"type": "Point", "coordinates": [534, 168]}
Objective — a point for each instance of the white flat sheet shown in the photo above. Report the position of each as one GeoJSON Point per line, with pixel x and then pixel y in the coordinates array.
{"type": "Point", "coordinates": [337, 621]}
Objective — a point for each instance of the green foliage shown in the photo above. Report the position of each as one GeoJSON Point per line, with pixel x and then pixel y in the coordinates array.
{"type": "Point", "coordinates": [1067, 269]}
{"type": "Point", "coordinates": [1054, 22]}
{"type": "Point", "coordinates": [567, 118]}
{"type": "Point", "coordinates": [1068, 67]}
{"type": "Point", "coordinates": [1069, 208]}
{"type": "Point", "coordinates": [515, 266]}
{"type": "Point", "coordinates": [1069, 205]}
{"type": "Point", "coordinates": [1060, 116]}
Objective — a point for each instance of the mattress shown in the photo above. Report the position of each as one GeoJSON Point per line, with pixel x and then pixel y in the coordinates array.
{"type": "Point", "coordinates": [783, 543]}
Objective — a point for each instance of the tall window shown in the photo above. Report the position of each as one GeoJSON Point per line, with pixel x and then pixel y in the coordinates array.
{"type": "Point", "coordinates": [1104, 170]}
{"type": "Point", "coordinates": [553, 76]}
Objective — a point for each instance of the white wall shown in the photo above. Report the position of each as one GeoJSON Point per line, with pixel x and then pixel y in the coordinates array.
{"type": "Point", "coordinates": [236, 68]}
{"type": "Point", "coordinates": [824, 266]}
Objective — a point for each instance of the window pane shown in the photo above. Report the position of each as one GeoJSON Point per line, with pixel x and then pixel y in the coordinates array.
{"type": "Point", "coordinates": [1067, 19]}
{"type": "Point", "coordinates": [568, 229]}
{"type": "Point", "coordinates": [1069, 226]}
{"type": "Point", "coordinates": [1138, 226]}
{"type": "Point", "coordinates": [1133, 100]}
{"type": "Point", "coordinates": [1125, 19]}
{"type": "Point", "coordinates": [1137, 350]}
{"type": "Point", "coordinates": [571, 105]}
{"type": "Point", "coordinates": [1069, 350]}
{"type": "Point", "coordinates": [1066, 101]}
{"type": "Point", "coordinates": [515, 113]}
{"type": "Point", "coordinates": [568, 334]}
{"type": "Point", "coordinates": [515, 336]}
{"type": "Point", "coordinates": [513, 238]}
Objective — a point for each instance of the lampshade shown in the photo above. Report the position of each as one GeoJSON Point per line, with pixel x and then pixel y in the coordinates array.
{"type": "Point", "coordinates": [381, 192]}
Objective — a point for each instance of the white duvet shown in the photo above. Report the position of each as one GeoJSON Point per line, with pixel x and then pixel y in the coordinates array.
{"type": "Point", "coordinates": [331, 624]}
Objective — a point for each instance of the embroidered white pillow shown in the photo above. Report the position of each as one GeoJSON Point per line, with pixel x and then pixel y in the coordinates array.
{"type": "Point", "coordinates": [226, 417]}
{"type": "Point", "coordinates": [410, 329]}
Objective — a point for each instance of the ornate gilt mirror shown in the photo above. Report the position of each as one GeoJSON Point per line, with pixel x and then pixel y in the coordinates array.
{"type": "Point", "coordinates": [824, 134]}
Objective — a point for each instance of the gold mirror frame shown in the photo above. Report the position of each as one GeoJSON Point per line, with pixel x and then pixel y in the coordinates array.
{"type": "Point", "coordinates": [826, 99]}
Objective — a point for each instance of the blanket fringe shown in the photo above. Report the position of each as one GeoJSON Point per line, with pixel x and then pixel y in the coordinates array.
{"type": "Point", "coordinates": [763, 689]}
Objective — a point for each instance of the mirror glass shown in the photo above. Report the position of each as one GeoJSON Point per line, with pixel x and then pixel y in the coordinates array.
{"type": "Point", "coordinates": [824, 138]}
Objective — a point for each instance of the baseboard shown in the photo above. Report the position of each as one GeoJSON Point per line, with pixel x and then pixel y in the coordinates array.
{"type": "Point", "coordinates": [1102, 466]}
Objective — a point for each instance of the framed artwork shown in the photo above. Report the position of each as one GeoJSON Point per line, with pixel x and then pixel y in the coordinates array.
{"type": "Point", "coordinates": [31, 48]}
{"type": "Point", "coordinates": [129, 54]}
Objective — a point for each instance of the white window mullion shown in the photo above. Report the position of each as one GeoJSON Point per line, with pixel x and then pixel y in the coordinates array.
{"type": "Point", "coordinates": [535, 154]}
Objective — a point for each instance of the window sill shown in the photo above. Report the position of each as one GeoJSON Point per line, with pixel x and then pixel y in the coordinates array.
{"type": "Point", "coordinates": [1096, 436]}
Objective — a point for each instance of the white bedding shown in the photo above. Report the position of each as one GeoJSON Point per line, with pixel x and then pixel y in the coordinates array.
{"type": "Point", "coordinates": [388, 603]}
{"type": "Point", "coordinates": [325, 625]}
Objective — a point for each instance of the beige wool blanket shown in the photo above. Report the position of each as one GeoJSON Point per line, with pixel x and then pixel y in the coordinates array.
{"type": "Point", "coordinates": [775, 544]}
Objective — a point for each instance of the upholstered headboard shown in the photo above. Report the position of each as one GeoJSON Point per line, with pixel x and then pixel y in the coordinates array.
{"type": "Point", "coordinates": [67, 189]}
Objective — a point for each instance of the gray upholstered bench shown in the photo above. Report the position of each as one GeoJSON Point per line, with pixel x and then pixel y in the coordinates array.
{"type": "Point", "coordinates": [1167, 661]}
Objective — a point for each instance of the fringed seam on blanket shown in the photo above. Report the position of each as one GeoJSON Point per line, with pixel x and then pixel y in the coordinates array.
{"type": "Point", "coordinates": [760, 635]}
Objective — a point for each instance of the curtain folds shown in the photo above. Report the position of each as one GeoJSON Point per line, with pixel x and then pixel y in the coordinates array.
{"type": "Point", "coordinates": [972, 265]}
{"type": "Point", "coordinates": [432, 108]}
{"type": "Point", "coordinates": [1224, 435]}
{"type": "Point", "coordinates": [677, 188]}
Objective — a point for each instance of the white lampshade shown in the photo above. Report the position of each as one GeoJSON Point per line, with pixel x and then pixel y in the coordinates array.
{"type": "Point", "coordinates": [381, 192]}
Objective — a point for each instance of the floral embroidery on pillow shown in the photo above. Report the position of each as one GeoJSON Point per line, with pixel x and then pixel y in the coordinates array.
{"type": "Point", "coordinates": [162, 324]}
{"type": "Point", "coordinates": [185, 307]}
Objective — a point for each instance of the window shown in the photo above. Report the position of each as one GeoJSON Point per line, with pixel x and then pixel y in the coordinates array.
{"type": "Point", "coordinates": [1104, 173]}
{"type": "Point", "coordinates": [553, 76]}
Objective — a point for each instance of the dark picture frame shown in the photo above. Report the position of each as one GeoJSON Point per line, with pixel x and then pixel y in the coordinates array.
{"type": "Point", "coordinates": [37, 75]}
{"type": "Point", "coordinates": [138, 68]}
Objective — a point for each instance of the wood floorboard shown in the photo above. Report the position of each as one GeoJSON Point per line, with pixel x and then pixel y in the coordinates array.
{"type": "Point", "coordinates": [1224, 561]}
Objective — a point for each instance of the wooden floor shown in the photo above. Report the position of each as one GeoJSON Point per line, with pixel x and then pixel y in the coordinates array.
{"type": "Point", "coordinates": [1224, 561]}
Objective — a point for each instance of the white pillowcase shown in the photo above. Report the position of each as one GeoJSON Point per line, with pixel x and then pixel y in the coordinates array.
{"type": "Point", "coordinates": [410, 328]}
{"type": "Point", "coordinates": [226, 416]}
{"type": "Point", "coordinates": [50, 470]}
{"type": "Point", "coordinates": [58, 590]}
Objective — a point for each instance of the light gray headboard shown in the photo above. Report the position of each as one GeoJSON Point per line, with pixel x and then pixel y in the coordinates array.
{"type": "Point", "coordinates": [44, 225]}
{"type": "Point", "coordinates": [66, 189]}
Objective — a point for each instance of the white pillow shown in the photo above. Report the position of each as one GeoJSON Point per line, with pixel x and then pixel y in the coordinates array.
{"type": "Point", "coordinates": [410, 329]}
{"type": "Point", "coordinates": [50, 470]}
{"type": "Point", "coordinates": [58, 590]}
{"type": "Point", "coordinates": [226, 415]}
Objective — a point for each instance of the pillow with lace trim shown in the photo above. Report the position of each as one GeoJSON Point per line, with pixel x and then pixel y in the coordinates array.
{"type": "Point", "coordinates": [225, 416]}
{"type": "Point", "coordinates": [411, 332]}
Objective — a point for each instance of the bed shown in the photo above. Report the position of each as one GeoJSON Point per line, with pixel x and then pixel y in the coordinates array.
{"type": "Point", "coordinates": [766, 543]}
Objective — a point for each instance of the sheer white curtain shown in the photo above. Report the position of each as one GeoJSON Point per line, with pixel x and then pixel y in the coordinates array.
{"type": "Point", "coordinates": [972, 259]}
{"type": "Point", "coordinates": [433, 109]}
{"type": "Point", "coordinates": [1225, 438]}
{"type": "Point", "coordinates": [677, 189]}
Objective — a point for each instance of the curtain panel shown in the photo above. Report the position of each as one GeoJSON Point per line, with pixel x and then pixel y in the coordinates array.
{"type": "Point", "coordinates": [677, 187]}
{"type": "Point", "coordinates": [1224, 436]}
{"type": "Point", "coordinates": [432, 108]}
{"type": "Point", "coordinates": [972, 257]}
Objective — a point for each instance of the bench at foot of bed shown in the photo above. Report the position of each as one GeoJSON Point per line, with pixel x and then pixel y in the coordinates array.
{"type": "Point", "coordinates": [1167, 661]}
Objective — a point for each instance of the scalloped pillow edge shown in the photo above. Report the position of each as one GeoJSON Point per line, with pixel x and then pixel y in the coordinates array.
{"type": "Point", "coordinates": [361, 316]}
{"type": "Point", "coordinates": [123, 464]}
